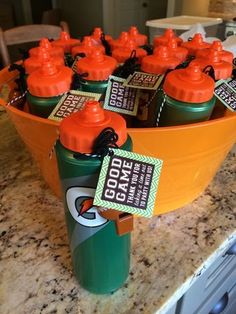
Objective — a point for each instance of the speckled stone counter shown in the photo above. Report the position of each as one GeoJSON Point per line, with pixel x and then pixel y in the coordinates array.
{"type": "Point", "coordinates": [167, 251]}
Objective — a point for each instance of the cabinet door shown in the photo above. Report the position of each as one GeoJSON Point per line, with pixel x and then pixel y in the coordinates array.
{"type": "Point", "coordinates": [133, 13]}
{"type": "Point", "coordinates": [219, 273]}
{"type": "Point", "coordinates": [218, 301]}
{"type": "Point", "coordinates": [172, 310]}
{"type": "Point", "coordinates": [231, 306]}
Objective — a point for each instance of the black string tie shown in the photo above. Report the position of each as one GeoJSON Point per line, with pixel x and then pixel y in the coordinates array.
{"type": "Point", "coordinates": [209, 70]}
{"type": "Point", "coordinates": [105, 44]}
{"type": "Point", "coordinates": [20, 81]}
{"type": "Point", "coordinates": [103, 145]}
{"type": "Point", "coordinates": [104, 142]}
{"type": "Point", "coordinates": [234, 68]}
{"type": "Point", "coordinates": [129, 67]}
{"type": "Point", "coordinates": [77, 79]}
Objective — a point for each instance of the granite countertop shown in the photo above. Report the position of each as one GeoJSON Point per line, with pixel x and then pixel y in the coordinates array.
{"type": "Point", "coordinates": [168, 252]}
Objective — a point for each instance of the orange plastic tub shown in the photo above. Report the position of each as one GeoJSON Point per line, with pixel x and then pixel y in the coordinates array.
{"type": "Point", "coordinates": [191, 154]}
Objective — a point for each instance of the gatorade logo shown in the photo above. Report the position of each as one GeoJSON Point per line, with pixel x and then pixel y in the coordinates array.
{"type": "Point", "coordinates": [80, 204]}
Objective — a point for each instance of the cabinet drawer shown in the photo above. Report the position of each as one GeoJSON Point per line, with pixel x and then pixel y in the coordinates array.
{"type": "Point", "coordinates": [231, 306]}
{"type": "Point", "coordinates": [210, 281]}
{"type": "Point", "coordinates": [217, 295]}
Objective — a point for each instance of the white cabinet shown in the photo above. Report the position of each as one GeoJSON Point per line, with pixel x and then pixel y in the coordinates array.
{"type": "Point", "coordinates": [214, 292]}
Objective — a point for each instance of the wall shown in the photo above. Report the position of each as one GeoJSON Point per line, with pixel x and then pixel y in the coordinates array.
{"type": "Point", "coordinates": [82, 16]}
{"type": "Point", "coordinates": [196, 8]}
{"type": "Point", "coordinates": [225, 9]}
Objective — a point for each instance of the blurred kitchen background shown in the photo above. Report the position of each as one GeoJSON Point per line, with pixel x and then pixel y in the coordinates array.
{"type": "Point", "coordinates": [113, 16]}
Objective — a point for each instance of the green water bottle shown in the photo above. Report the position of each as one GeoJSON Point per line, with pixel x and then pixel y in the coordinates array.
{"type": "Point", "coordinates": [100, 245]}
{"type": "Point", "coordinates": [46, 86]}
{"type": "Point", "coordinates": [95, 70]}
{"type": "Point", "coordinates": [188, 97]}
{"type": "Point", "coordinates": [157, 63]}
{"type": "Point", "coordinates": [40, 56]}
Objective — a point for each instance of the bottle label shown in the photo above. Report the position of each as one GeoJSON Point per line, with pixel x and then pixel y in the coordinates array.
{"type": "Point", "coordinates": [120, 98]}
{"type": "Point", "coordinates": [80, 204]}
{"type": "Point", "coordinates": [225, 91]}
{"type": "Point", "coordinates": [128, 182]}
{"type": "Point", "coordinates": [71, 102]}
{"type": "Point", "coordinates": [79, 196]}
{"type": "Point", "coordinates": [143, 80]}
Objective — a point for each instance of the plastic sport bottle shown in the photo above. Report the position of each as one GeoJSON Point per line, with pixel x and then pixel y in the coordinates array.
{"type": "Point", "coordinates": [177, 51]}
{"type": "Point", "coordinates": [163, 39]}
{"type": "Point", "coordinates": [65, 42]}
{"type": "Point", "coordinates": [35, 62]}
{"type": "Point", "coordinates": [195, 44]}
{"type": "Point", "coordinates": [221, 62]}
{"type": "Point", "coordinates": [222, 69]}
{"type": "Point", "coordinates": [97, 36]}
{"type": "Point", "coordinates": [120, 41]}
{"type": "Point", "coordinates": [46, 86]}
{"type": "Point", "coordinates": [54, 51]}
{"type": "Point", "coordinates": [225, 55]}
{"type": "Point", "coordinates": [140, 39]}
{"type": "Point", "coordinates": [158, 63]}
{"type": "Point", "coordinates": [95, 70]}
{"type": "Point", "coordinates": [86, 47]}
{"type": "Point", "coordinates": [100, 256]}
{"type": "Point", "coordinates": [130, 47]}
{"type": "Point", "coordinates": [188, 97]}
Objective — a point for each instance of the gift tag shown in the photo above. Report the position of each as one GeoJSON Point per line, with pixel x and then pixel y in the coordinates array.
{"type": "Point", "coordinates": [71, 102]}
{"type": "Point", "coordinates": [225, 91]}
{"type": "Point", "coordinates": [120, 98]}
{"type": "Point", "coordinates": [232, 83]}
{"type": "Point", "coordinates": [128, 182]}
{"type": "Point", "coordinates": [143, 80]}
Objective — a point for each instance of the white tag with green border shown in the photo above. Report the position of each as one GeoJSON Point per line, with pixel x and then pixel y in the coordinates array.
{"type": "Point", "coordinates": [71, 102]}
{"type": "Point", "coordinates": [225, 91]}
{"type": "Point", "coordinates": [120, 98]}
{"type": "Point", "coordinates": [128, 182]}
{"type": "Point", "coordinates": [143, 80]}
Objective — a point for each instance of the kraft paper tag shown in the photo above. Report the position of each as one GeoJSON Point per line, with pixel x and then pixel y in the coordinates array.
{"type": "Point", "coordinates": [128, 182]}
{"type": "Point", "coordinates": [71, 102]}
{"type": "Point", "coordinates": [120, 98]}
{"type": "Point", "coordinates": [143, 80]}
{"type": "Point", "coordinates": [225, 91]}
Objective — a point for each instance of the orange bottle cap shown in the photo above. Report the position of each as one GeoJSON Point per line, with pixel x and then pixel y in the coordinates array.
{"type": "Point", "coordinates": [49, 80]}
{"type": "Point", "coordinates": [120, 41]}
{"type": "Point", "coordinates": [97, 33]}
{"type": "Point", "coordinates": [195, 44]}
{"type": "Point", "coordinates": [163, 39]}
{"type": "Point", "coordinates": [87, 46]}
{"type": "Point", "coordinates": [159, 62]}
{"type": "Point", "coordinates": [122, 54]}
{"type": "Point", "coordinates": [189, 85]}
{"type": "Point", "coordinates": [45, 43]}
{"type": "Point", "coordinates": [140, 39]}
{"type": "Point", "coordinates": [36, 61]}
{"type": "Point", "coordinates": [97, 66]}
{"type": "Point", "coordinates": [222, 69]}
{"type": "Point", "coordinates": [66, 42]}
{"type": "Point", "coordinates": [79, 130]}
{"type": "Point", "coordinates": [177, 51]}
{"type": "Point", "coordinates": [216, 45]}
